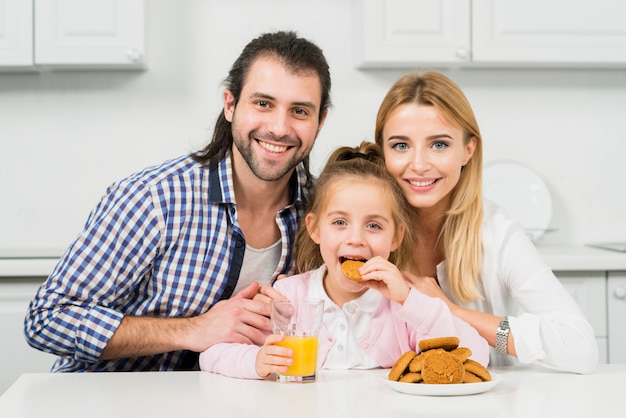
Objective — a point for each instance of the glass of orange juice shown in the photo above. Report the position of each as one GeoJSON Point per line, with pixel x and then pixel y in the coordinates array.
{"type": "Point", "coordinates": [298, 323]}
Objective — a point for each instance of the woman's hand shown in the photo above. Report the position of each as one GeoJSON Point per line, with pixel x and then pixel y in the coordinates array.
{"type": "Point", "coordinates": [273, 358]}
{"type": "Point", "coordinates": [428, 286]}
{"type": "Point", "coordinates": [380, 274]}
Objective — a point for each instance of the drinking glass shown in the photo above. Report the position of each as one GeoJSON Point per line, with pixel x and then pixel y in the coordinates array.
{"type": "Point", "coordinates": [299, 324]}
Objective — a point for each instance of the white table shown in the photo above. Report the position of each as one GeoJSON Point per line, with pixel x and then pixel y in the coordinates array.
{"type": "Point", "coordinates": [524, 392]}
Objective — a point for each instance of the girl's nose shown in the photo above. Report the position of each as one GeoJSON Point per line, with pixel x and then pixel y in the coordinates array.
{"type": "Point", "coordinates": [356, 236]}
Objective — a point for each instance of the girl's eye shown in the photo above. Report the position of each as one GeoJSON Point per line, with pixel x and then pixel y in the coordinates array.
{"type": "Point", "coordinates": [400, 146]}
{"type": "Point", "coordinates": [339, 222]}
{"type": "Point", "coordinates": [373, 225]}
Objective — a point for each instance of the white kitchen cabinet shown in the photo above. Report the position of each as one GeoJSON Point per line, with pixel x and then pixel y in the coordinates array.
{"type": "Point", "coordinates": [616, 298]}
{"type": "Point", "coordinates": [16, 356]}
{"type": "Point", "coordinates": [16, 33]}
{"type": "Point", "coordinates": [89, 32]}
{"type": "Point", "coordinates": [589, 290]}
{"type": "Point", "coordinates": [490, 33]}
{"type": "Point", "coordinates": [72, 34]}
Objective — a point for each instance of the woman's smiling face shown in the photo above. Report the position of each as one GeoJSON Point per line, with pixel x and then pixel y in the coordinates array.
{"type": "Point", "coordinates": [425, 154]}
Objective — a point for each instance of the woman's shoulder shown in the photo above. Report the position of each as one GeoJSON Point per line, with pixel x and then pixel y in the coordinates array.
{"type": "Point", "coordinates": [497, 222]}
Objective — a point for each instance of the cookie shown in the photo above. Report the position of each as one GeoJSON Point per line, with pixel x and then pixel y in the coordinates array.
{"type": "Point", "coordinates": [447, 343]}
{"type": "Point", "coordinates": [350, 269]}
{"type": "Point", "coordinates": [463, 353]}
{"type": "Point", "coordinates": [412, 378]}
{"type": "Point", "coordinates": [400, 365]}
{"type": "Point", "coordinates": [478, 369]}
{"type": "Point", "coordinates": [417, 363]}
{"type": "Point", "coordinates": [441, 367]}
{"type": "Point", "coordinates": [471, 378]}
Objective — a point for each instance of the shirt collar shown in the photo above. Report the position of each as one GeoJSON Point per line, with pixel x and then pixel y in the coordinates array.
{"type": "Point", "coordinates": [222, 188]}
{"type": "Point", "coordinates": [368, 302]}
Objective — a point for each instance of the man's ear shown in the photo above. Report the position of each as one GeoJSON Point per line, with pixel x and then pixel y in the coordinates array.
{"type": "Point", "coordinates": [312, 228]}
{"type": "Point", "coordinates": [229, 105]}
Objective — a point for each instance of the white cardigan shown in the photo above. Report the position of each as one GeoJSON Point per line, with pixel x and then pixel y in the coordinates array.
{"type": "Point", "coordinates": [548, 326]}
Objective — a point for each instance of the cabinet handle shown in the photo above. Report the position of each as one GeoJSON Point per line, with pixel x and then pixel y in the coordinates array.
{"type": "Point", "coordinates": [133, 55]}
{"type": "Point", "coordinates": [462, 52]}
{"type": "Point", "coordinates": [620, 292]}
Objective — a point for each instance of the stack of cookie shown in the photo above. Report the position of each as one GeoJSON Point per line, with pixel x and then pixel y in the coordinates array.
{"type": "Point", "coordinates": [440, 361]}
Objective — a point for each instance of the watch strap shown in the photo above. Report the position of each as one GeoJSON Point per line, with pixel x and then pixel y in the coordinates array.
{"type": "Point", "coordinates": [502, 337]}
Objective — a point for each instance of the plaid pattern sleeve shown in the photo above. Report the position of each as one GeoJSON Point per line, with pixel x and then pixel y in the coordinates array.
{"type": "Point", "coordinates": [159, 243]}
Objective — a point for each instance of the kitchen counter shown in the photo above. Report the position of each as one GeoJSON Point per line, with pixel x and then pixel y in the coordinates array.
{"type": "Point", "coordinates": [582, 258]}
{"type": "Point", "coordinates": [559, 258]}
{"type": "Point", "coordinates": [523, 392]}
{"type": "Point", "coordinates": [35, 262]}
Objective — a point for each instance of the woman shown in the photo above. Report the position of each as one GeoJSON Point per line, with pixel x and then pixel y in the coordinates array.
{"type": "Point", "coordinates": [467, 252]}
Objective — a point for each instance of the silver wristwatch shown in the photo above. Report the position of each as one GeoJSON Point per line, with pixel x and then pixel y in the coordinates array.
{"type": "Point", "coordinates": [502, 337]}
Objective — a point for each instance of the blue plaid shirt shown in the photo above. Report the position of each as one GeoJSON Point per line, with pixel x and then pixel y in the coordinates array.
{"type": "Point", "coordinates": [164, 242]}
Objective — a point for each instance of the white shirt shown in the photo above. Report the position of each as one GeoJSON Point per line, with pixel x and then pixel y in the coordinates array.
{"type": "Point", "coordinates": [348, 325]}
{"type": "Point", "coordinates": [548, 326]}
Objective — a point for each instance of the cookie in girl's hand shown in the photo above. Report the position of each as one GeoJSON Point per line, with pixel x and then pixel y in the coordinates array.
{"type": "Point", "coordinates": [350, 269]}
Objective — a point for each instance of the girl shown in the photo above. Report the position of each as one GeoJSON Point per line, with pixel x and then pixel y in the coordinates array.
{"type": "Point", "coordinates": [467, 253]}
{"type": "Point", "coordinates": [357, 211]}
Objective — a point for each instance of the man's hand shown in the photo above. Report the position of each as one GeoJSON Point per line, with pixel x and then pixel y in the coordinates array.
{"type": "Point", "coordinates": [244, 318]}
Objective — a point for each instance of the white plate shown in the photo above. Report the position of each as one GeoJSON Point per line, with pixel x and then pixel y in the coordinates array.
{"type": "Point", "coordinates": [522, 193]}
{"type": "Point", "coordinates": [444, 390]}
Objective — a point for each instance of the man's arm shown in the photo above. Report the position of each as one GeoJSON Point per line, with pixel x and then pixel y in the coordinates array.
{"type": "Point", "coordinates": [244, 318]}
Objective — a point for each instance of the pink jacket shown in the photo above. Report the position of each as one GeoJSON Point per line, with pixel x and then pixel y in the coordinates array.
{"type": "Point", "coordinates": [394, 330]}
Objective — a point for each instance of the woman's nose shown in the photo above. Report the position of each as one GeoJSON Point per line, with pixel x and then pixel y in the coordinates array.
{"type": "Point", "coordinates": [420, 161]}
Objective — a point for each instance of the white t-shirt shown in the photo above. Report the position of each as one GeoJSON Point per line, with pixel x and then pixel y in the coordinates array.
{"type": "Point", "coordinates": [259, 265]}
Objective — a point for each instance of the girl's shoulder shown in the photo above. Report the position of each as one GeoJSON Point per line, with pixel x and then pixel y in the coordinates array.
{"type": "Point", "coordinates": [295, 287]}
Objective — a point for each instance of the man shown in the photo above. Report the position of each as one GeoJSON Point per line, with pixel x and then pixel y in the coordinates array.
{"type": "Point", "coordinates": [148, 283]}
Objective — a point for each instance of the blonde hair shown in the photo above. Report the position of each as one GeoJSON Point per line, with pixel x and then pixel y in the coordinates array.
{"type": "Point", "coordinates": [363, 163]}
{"type": "Point", "coordinates": [460, 239]}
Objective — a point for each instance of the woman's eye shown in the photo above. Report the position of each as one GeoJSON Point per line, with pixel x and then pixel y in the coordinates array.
{"type": "Point", "coordinates": [400, 146]}
{"type": "Point", "coordinates": [440, 145]}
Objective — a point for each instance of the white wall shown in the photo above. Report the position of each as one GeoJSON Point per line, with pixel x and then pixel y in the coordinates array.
{"type": "Point", "coordinates": [65, 136]}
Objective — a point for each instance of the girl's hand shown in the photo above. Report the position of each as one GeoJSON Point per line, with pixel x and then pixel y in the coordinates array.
{"type": "Point", "coordinates": [273, 358]}
{"type": "Point", "coordinates": [380, 274]}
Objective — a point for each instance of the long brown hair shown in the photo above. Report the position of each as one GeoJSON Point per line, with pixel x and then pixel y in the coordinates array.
{"type": "Point", "coordinates": [460, 239]}
{"type": "Point", "coordinates": [297, 54]}
{"type": "Point", "coordinates": [364, 162]}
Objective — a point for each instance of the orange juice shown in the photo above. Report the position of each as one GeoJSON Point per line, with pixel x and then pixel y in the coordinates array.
{"type": "Point", "coordinates": [304, 355]}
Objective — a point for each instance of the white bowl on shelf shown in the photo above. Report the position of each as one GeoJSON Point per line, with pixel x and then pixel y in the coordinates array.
{"type": "Point", "coordinates": [521, 193]}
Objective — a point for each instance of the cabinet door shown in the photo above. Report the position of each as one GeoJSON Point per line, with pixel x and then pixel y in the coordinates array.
{"type": "Point", "coordinates": [589, 291]}
{"type": "Point", "coordinates": [16, 33]}
{"type": "Point", "coordinates": [549, 32]}
{"type": "Point", "coordinates": [89, 33]}
{"type": "Point", "coordinates": [16, 356]}
{"type": "Point", "coordinates": [616, 295]}
{"type": "Point", "coordinates": [405, 33]}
